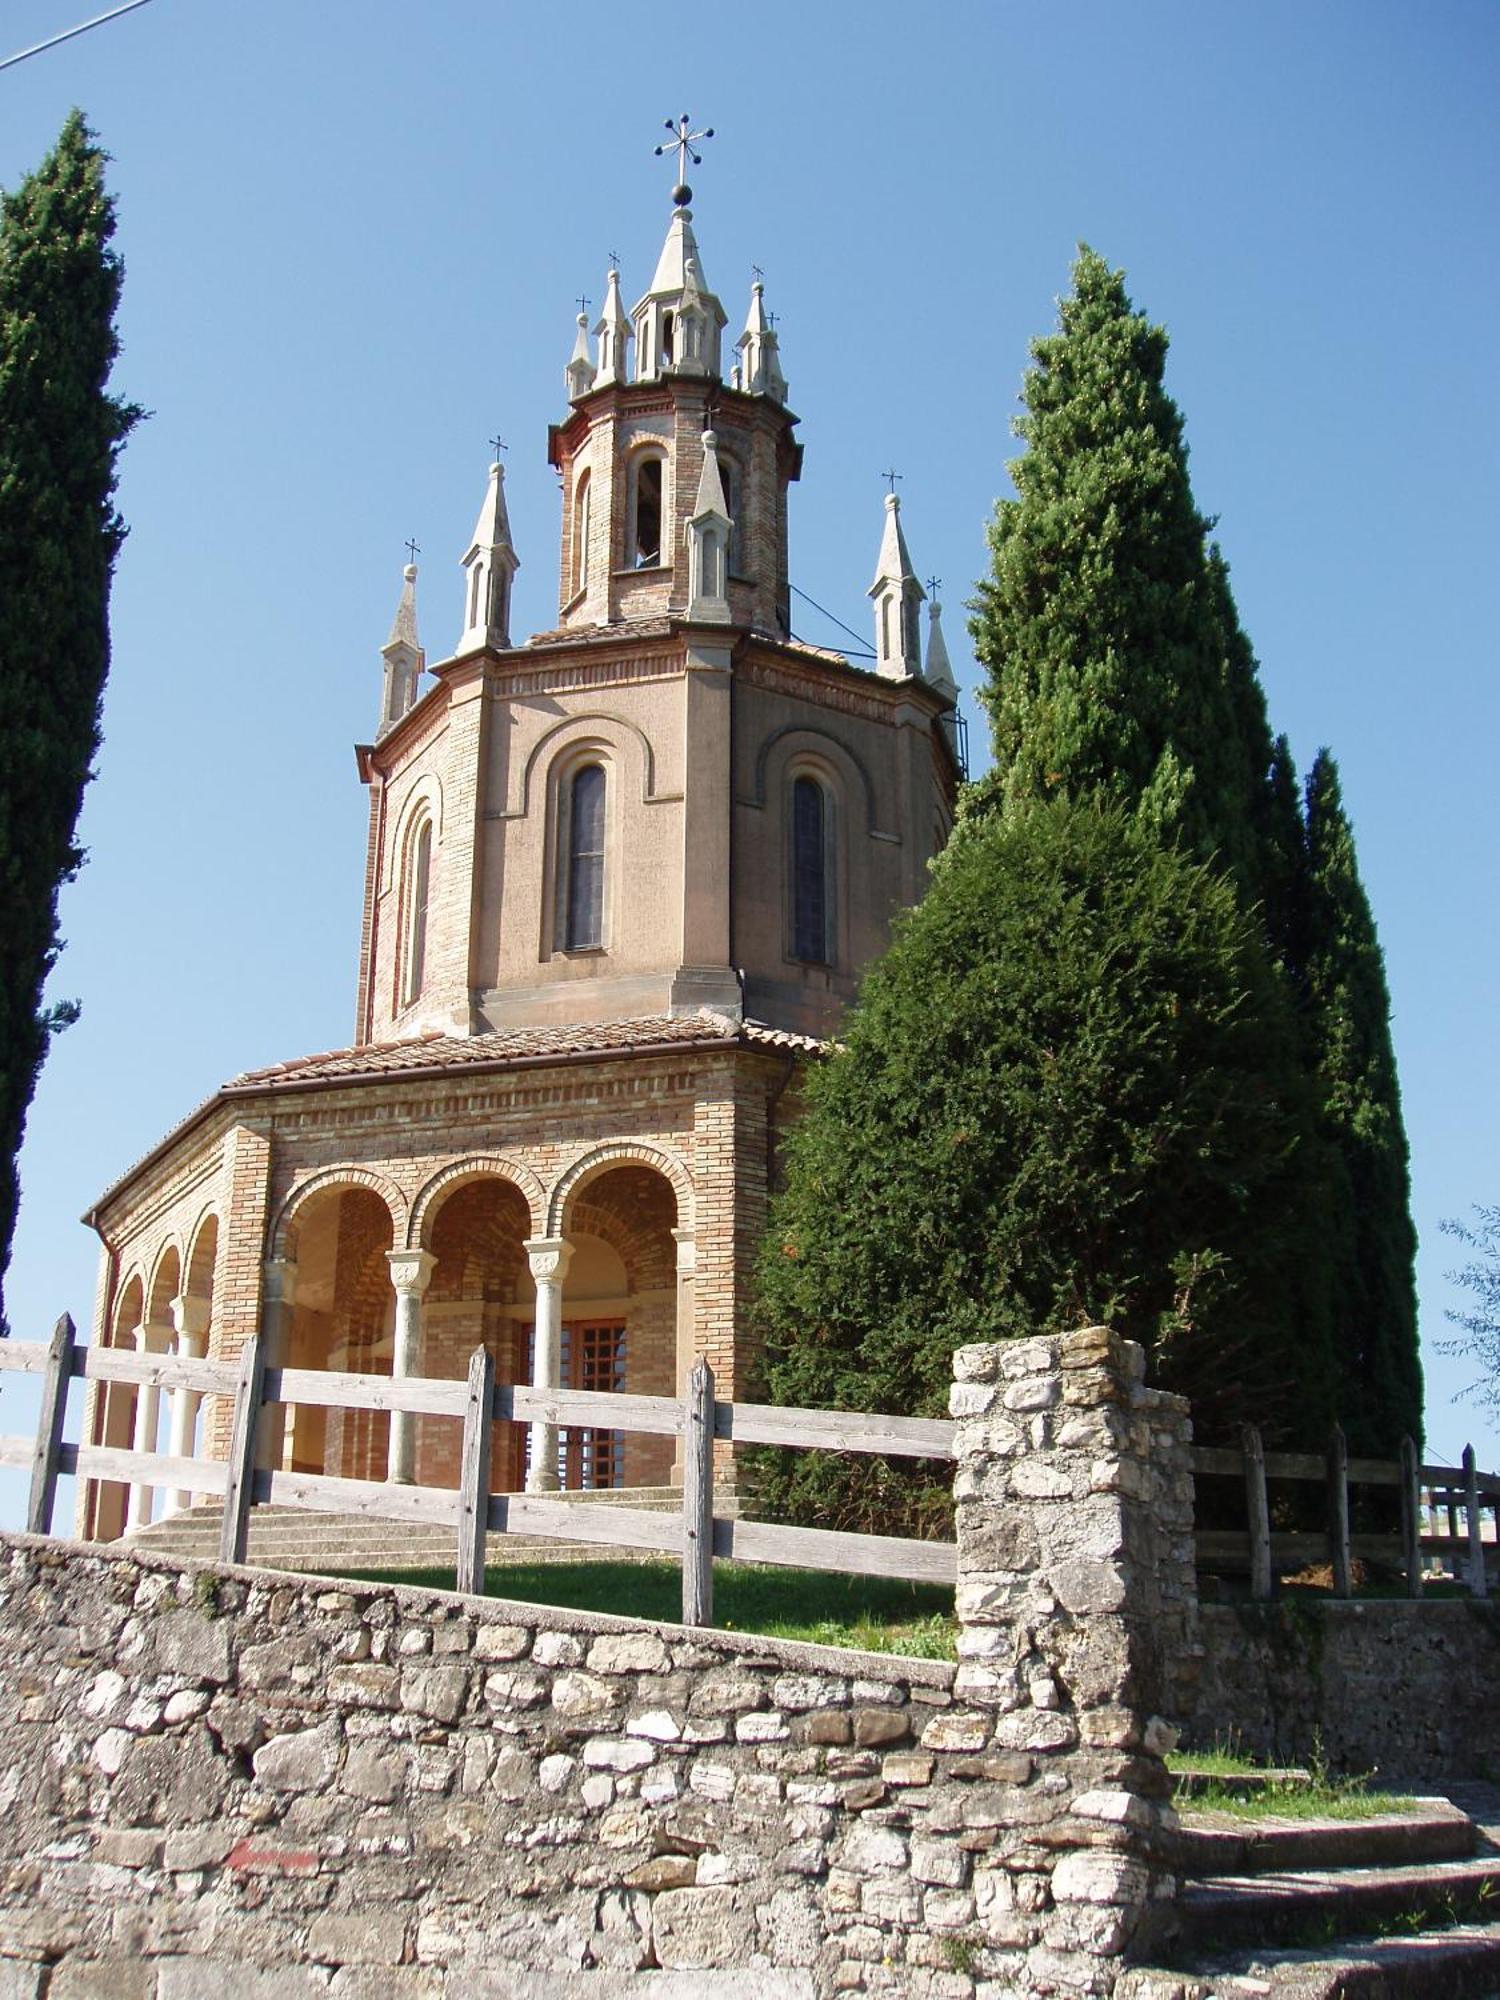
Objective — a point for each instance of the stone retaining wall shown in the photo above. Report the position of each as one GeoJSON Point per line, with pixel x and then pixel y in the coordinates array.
{"type": "Point", "coordinates": [218, 1781]}
{"type": "Point", "coordinates": [1406, 1690]}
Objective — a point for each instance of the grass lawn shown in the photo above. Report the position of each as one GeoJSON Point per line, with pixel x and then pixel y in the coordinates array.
{"type": "Point", "coordinates": [874, 1614]}
{"type": "Point", "coordinates": [1312, 1794]}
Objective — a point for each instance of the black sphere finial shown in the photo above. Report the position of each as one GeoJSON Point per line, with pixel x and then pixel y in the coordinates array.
{"type": "Point", "coordinates": [682, 194]}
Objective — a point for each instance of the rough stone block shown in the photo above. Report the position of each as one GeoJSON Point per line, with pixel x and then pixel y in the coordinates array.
{"type": "Point", "coordinates": [698, 1928]}
{"type": "Point", "coordinates": [627, 1653]}
{"type": "Point", "coordinates": [359, 1684]}
{"type": "Point", "coordinates": [940, 1863]}
{"type": "Point", "coordinates": [605, 1753]}
{"type": "Point", "coordinates": [438, 1692]}
{"type": "Point", "coordinates": [372, 1937]}
{"type": "Point", "coordinates": [957, 1730]}
{"type": "Point", "coordinates": [501, 1642]}
{"type": "Point", "coordinates": [368, 1775]}
{"type": "Point", "coordinates": [99, 1979]}
{"type": "Point", "coordinates": [1088, 1876]}
{"type": "Point", "coordinates": [192, 1978]}
{"type": "Point", "coordinates": [875, 1727]}
{"type": "Point", "coordinates": [870, 1850]}
{"type": "Point", "coordinates": [557, 1649]}
{"type": "Point", "coordinates": [302, 1762]}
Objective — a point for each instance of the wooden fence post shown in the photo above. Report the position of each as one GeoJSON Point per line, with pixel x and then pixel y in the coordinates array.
{"type": "Point", "coordinates": [1411, 1517]}
{"type": "Point", "coordinates": [698, 1497]}
{"type": "Point", "coordinates": [1259, 1514]}
{"type": "Point", "coordinates": [1338, 1512]}
{"type": "Point", "coordinates": [1478, 1583]}
{"type": "Point", "coordinates": [239, 1489]}
{"type": "Point", "coordinates": [474, 1472]}
{"type": "Point", "coordinates": [56, 1377]}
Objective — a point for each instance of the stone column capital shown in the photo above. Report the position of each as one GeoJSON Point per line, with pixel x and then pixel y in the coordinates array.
{"type": "Point", "coordinates": [411, 1270]}
{"type": "Point", "coordinates": [155, 1336]}
{"type": "Point", "coordinates": [549, 1257]}
{"type": "Point", "coordinates": [281, 1280]}
{"type": "Point", "coordinates": [190, 1315]}
{"type": "Point", "coordinates": [687, 1251]}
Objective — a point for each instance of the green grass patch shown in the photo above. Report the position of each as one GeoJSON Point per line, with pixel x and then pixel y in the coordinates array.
{"type": "Point", "coordinates": [1218, 1762]}
{"type": "Point", "coordinates": [873, 1614]}
{"type": "Point", "coordinates": [1339, 1798]}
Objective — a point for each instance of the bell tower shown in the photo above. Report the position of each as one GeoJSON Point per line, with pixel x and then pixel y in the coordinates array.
{"type": "Point", "coordinates": [666, 803]}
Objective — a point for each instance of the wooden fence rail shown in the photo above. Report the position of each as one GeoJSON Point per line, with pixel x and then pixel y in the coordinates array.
{"type": "Point", "coordinates": [470, 1511]}
{"type": "Point", "coordinates": [698, 1420]}
{"type": "Point", "coordinates": [1457, 1491]}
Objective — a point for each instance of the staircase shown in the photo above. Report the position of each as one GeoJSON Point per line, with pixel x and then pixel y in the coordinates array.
{"type": "Point", "coordinates": [295, 1538]}
{"type": "Point", "coordinates": [1310, 1909]}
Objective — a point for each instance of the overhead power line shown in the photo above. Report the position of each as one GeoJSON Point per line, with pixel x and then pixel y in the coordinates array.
{"type": "Point", "coordinates": [68, 33]}
{"type": "Point", "coordinates": [863, 650]}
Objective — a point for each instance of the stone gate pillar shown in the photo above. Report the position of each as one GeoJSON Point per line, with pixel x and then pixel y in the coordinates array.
{"type": "Point", "coordinates": [1073, 1495]}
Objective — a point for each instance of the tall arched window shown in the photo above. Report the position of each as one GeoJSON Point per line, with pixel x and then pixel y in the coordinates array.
{"type": "Point", "coordinates": [418, 880]}
{"type": "Point", "coordinates": [729, 473]}
{"type": "Point", "coordinates": [811, 854]}
{"type": "Point", "coordinates": [582, 510]}
{"type": "Point", "coordinates": [646, 484]}
{"type": "Point", "coordinates": [582, 881]}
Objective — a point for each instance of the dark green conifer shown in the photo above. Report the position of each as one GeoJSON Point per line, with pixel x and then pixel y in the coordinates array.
{"type": "Point", "coordinates": [1348, 1012]}
{"type": "Point", "coordinates": [1070, 1093]}
{"type": "Point", "coordinates": [59, 534]}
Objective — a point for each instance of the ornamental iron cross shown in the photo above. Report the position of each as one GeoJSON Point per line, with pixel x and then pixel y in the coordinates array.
{"type": "Point", "coordinates": [934, 585]}
{"type": "Point", "coordinates": [497, 445]}
{"type": "Point", "coordinates": [412, 551]}
{"type": "Point", "coordinates": [891, 477]}
{"type": "Point", "coordinates": [681, 143]}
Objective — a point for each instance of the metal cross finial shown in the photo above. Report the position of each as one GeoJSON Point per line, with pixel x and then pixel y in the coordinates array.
{"type": "Point", "coordinates": [614, 260]}
{"type": "Point", "coordinates": [771, 319]}
{"type": "Point", "coordinates": [681, 143]}
{"type": "Point", "coordinates": [497, 445]}
{"type": "Point", "coordinates": [757, 275]}
{"type": "Point", "coordinates": [934, 585]}
{"type": "Point", "coordinates": [891, 477]}
{"type": "Point", "coordinates": [412, 551]}
{"type": "Point", "coordinates": [584, 303]}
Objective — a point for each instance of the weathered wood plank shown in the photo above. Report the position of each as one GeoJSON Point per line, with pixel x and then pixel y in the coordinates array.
{"type": "Point", "coordinates": [835, 1430]}
{"type": "Point", "coordinates": [821, 1548]}
{"type": "Point", "coordinates": [1257, 1513]}
{"type": "Point", "coordinates": [155, 1371]}
{"type": "Point", "coordinates": [49, 1427]}
{"type": "Point", "coordinates": [474, 1472]}
{"type": "Point", "coordinates": [239, 1486]}
{"type": "Point", "coordinates": [698, 1498]}
{"type": "Point", "coordinates": [1229, 1548]}
{"type": "Point", "coordinates": [563, 1521]}
{"type": "Point", "coordinates": [1478, 1584]}
{"type": "Point", "coordinates": [372, 1499]}
{"type": "Point", "coordinates": [1338, 1512]}
{"type": "Point", "coordinates": [654, 1416]}
{"type": "Point", "coordinates": [326, 1389]}
{"type": "Point", "coordinates": [24, 1357]}
{"type": "Point", "coordinates": [125, 1467]}
{"type": "Point", "coordinates": [1411, 1517]}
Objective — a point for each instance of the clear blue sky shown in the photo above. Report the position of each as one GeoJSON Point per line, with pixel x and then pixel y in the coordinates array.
{"type": "Point", "coordinates": [353, 236]}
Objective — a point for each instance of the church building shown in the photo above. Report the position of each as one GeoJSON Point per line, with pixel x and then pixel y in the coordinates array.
{"type": "Point", "coordinates": [621, 881]}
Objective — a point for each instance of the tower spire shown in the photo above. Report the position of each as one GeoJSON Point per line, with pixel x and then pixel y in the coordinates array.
{"type": "Point", "coordinates": [939, 666]}
{"type": "Point", "coordinates": [580, 371]}
{"type": "Point", "coordinates": [613, 333]}
{"type": "Point", "coordinates": [897, 594]}
{"type": "Point", "coordinates": [402, 653]}
{"type": "Point", "coordinates": [708, 531]}
{"type": "Point", "coordinates": [488, 567]}
{"type": "Point", "coordinates": [760, 360]}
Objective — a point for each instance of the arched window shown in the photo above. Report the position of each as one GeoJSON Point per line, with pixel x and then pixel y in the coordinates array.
{"type": "Point", "coordinates": [645, 511]}
{"type": "Point", "coordinates": [729, 472]}
{"type": "Point", "coordinates": [476, 584]}
{"type": "Point", "coordinates": [582, 876]}
{"type": "Point", "coordinates": [582, 511]}
{"type": "Point", "coordinates": [811, 855]}
{"type": "Point", "coordinates": [418, 880]}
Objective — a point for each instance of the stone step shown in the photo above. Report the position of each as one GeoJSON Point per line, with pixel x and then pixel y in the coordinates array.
{"type": "Point", "coordinates": [1459, 1963]}
{"type": "Point", "coordinates": [1221, 1911]}
{"type": "Point", "coordinates": [1191, 1781]}
{"type": "Point", "coordinates": [1220, 1844]}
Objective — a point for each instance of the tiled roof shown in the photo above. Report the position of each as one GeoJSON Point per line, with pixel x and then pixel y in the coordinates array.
{"type": "Point", "coordinates": [652, 1031]}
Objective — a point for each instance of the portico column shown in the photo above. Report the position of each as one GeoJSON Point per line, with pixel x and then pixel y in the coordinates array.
{"type": "Point", "coordinates": [548, 1257]}
{"type": "Point", "coordinates": [190, 1316]}
{"type": "Point", "coordinates": [279, 1300]}
{"type": "Point", "coordinates": [687, 1267]}
{"type": "Point", "coordinates": [155, 1337]}
{"type": "Point", "coordinates": [411, 1271]}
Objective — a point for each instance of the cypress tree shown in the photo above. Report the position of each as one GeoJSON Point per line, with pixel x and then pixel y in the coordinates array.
{"type": "Point", "coordinates": [1069, 1093]}
{"type": "Point", "coordinates": [1114, 658]}
{"type": "Point", "coordinates": [60, 432]}
{"type": "Point", "coordinates": [1348, 1011]}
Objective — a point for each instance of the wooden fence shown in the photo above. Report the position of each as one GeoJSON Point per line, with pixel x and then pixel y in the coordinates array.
{"type": "Point", "coordinates": [698, 1420]}
{"type": "Point", "coordinates": [1452, 1493]}
{"type": "Point", "coordinates": [247, 1476]}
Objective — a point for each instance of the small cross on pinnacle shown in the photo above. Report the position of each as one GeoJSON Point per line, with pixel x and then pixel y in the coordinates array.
{"type": "Point", "coordinates": [891, 477]}
{"type": "Point", "coordinates": [497, 445]}
{"type": "Point", "coordinates": [681, 143]}
{"type": "Point", "coordinates": [412, 551]}
{"type": "Point", "coordinates": [757, 275]}
{"type": "Point", "coordinates": [583, 303]}
{"type": "Point", "coordinates": [934, 585]}
{"type": "Point", "coordinates": [771, 319]}
{"type": "Point", "coordinates": [614, 260]}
